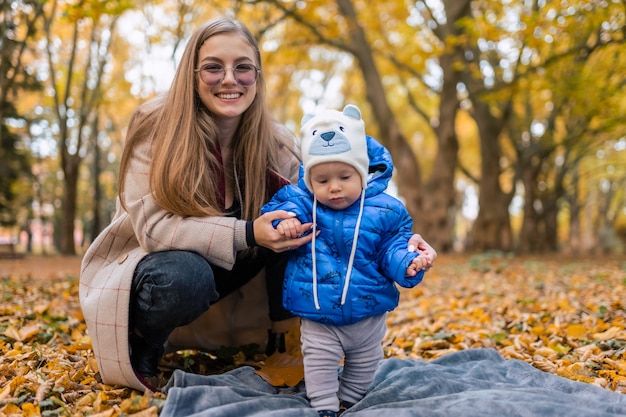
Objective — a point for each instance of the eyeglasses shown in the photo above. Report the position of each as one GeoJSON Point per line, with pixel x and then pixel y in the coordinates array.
{"type": "Point", "coordinates": [213, 74]}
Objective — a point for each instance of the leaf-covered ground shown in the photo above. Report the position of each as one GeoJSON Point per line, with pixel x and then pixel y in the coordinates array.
{"type": "Point", "coordinates": [564, 316]}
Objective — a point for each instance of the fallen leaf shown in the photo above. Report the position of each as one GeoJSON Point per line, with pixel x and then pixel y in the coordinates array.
{"type": "Point", "coordinates": [282, 369]}
{"type": "Point", "coordinates": [11, 410]}
{"type": "Point", "coordinates": [6, 391]}
{"type": "Point", "coordinates": [134, 404]}
{"type": "Point", "coordinates": [30, 410]}
{"type": "Point", "coordinates": [576, 331]}
{"type": "Point", "coordinates": [611, 333]}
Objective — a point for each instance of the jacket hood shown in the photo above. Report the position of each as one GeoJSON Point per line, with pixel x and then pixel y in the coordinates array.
{"type": "Point", "coordinates": [380, 169]}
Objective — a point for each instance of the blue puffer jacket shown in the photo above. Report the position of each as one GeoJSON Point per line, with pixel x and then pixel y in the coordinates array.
{"type": "Point", "coordinates": [381, 256]}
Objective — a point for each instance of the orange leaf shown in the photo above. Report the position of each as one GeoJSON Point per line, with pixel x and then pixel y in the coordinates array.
{"type": "Point", "coordinates": [282, 369]}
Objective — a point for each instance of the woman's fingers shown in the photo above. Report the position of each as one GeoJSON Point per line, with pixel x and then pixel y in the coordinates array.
{"type": "Point", "coordinates": [266, 235]}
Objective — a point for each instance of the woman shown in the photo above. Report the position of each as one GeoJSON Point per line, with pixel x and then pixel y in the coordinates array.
{"type": "Point", "coordinates": [198, 165]}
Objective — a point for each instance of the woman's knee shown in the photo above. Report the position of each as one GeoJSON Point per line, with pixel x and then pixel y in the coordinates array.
{"type": "Point", "coordinates": [175, 275]}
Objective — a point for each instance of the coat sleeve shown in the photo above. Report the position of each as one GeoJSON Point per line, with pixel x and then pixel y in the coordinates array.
{"type": "Point", "coordinates": [216, 238]}
{"type": "Point", "coordinates": [290, 198]}
{"type": "Point", "coordinates": [393, 255]}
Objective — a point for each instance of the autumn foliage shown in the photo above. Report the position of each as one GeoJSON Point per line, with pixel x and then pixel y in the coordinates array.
{"type": "Point", "coordinates": [563, 316]}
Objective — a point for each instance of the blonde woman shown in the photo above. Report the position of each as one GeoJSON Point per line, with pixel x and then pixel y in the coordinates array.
{"type": "Point", "coordinates": [186, 258]}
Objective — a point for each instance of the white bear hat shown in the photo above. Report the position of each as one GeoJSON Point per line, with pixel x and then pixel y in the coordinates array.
{"type": "Point", "coordinates": [334, 136]}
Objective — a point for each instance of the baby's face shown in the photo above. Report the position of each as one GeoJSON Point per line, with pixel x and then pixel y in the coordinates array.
{"type": "Point", "coordinates": [335, 184]}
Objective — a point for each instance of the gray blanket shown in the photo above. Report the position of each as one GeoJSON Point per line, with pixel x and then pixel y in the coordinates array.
{"type": "Point", "coordinates": [476, 382]}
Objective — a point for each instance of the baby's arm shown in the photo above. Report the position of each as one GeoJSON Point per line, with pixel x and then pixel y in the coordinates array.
{"type": "Point", "coordinates": [290, 228]}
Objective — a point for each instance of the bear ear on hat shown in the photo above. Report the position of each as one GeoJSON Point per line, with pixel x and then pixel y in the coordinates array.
{"type": "Point", "coordinates": [306, 118]}
{"type": "Point", "coordinates": [351, 111]}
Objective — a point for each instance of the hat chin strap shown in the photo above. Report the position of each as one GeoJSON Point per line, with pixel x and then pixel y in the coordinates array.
{"type": "Point", "coordinates": [355, 239]}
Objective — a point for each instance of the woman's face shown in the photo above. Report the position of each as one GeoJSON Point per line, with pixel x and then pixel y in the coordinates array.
{"type": "Point", "coordinates": [227, 99]}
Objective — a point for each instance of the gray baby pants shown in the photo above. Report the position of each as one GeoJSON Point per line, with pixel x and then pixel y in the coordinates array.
{"type": "Point", "coordinates": [323, 346]}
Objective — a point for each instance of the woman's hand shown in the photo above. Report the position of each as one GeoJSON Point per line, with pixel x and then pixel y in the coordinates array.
{"type": "Point", "coordinates": [417, 242]}
{"type": "Point", "coordinates": [266, 236]}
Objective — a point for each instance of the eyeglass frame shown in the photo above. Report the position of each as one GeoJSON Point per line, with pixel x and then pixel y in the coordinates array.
{"type": "Point", "coordinates": [257, 71]}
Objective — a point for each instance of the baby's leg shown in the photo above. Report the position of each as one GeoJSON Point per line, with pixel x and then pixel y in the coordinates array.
{"type": "Point", "coordinates": [363, 352]}
{"type": "Point", "coordinates": [322, 352]}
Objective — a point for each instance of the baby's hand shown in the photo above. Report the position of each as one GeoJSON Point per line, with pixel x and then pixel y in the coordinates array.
{"type": "Point", "coordinates": [290, 228]}
{"type": "Point", "coordinates": [419, 263]}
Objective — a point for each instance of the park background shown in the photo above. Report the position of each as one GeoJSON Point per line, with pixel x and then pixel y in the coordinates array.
{"type": "Point", "coordinates": [505, 119]}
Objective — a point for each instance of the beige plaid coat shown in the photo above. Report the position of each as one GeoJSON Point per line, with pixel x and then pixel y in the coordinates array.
{"type": "Point", "coordinates": [109, 263]}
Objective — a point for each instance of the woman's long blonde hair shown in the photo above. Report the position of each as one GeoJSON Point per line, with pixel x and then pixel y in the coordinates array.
{"type": "Point", "coordinates": [184, 138]}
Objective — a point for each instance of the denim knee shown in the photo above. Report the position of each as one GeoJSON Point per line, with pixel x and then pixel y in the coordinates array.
{"type": "Point", "coordinates": [170, 289]}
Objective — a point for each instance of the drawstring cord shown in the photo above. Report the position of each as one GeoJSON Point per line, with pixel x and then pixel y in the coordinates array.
{"type": "Point", "coordinates": [355, 239]}
{"type": "Point", "coordinates": [315, 299]}
{"type": "Point", "coordinates": [353, 250]}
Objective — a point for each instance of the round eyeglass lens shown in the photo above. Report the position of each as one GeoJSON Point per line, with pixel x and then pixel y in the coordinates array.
{"type": "Point", "coordinates": [213, 74]}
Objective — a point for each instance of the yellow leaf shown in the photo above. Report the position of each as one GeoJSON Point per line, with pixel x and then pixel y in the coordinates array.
{"type": "Point", "coordinates": [18, 382]}
{"type": "Point", "coordinates": [11, 409]}
{"type": "Point", "coordinates": [577, 372]}
{"type": "Point", "coordinates": [537, 330]}
{"type": "Point", "coordinates": [559, 348]}
{"type": "Point", "coordinates": [87, 381]}
{"type": "Point", "coordinates": [576, 331]}
{"type": "Point", "coordinates": [134, 404]}
{"type": "Point", "coordinates": [87, 400]}
{"type": "Point", "coordinates": [30, 410]}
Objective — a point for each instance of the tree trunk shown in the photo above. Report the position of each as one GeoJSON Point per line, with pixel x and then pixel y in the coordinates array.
{"type": "Point", "coordinates": [573, 245]}
{"type": "Point", "coordinates": [69, 208]}
{"type": "Point", "coordinates": [439, 201]}
{"type": "Point", "coordinates": [492, 227]}
{"type": "Point", "coordinates": [550, 221]}
{"type": "Point", "coordinates": [409, 179]}
{"type": "Point", "coordinates": [97, 191]}
{"type": "Point", "coordinates": [532, 235]}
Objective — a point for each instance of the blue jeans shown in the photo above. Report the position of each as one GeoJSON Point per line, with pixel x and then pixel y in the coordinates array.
{"type": "Point", "coordinates": [173, 288]}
